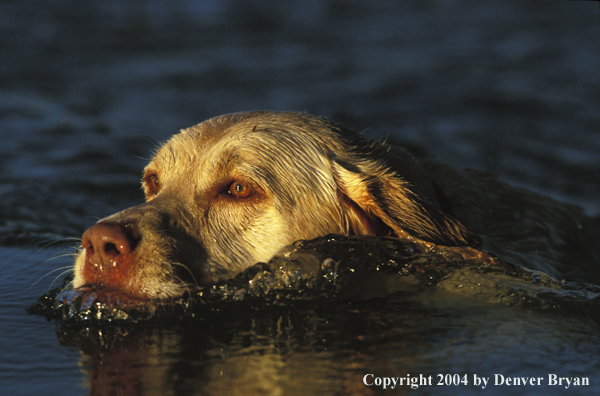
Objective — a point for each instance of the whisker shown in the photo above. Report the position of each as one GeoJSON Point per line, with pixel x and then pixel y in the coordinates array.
{"type": "Point", "coordinates": [187, 289]}
{"type": "Point", "coordinates": [60, 240]}
{"type": "Point", "coordinates": [184, 284]}
{"type": "Point", "coordinates": [187, 286]}
{"type": "Point", "coordinates": [150, 139]}
{"type": "Point", "coordinates": [68, 269]}
{"type": "Point", "coordinates": [73, 254]}
{"type": "Point", "coordinates": [187, 269]}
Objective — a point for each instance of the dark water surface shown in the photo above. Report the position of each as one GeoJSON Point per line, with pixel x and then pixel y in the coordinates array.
{"type": "Point", "coordinates": [88, 88]}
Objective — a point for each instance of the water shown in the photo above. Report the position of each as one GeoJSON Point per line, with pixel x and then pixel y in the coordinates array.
{"type": "Point", "coordinates": [32, 361]}
{"type": "Point", "coordinates": [87, 90]}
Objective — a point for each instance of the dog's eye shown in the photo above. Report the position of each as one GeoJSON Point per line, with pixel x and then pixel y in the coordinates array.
{"type": "Point", "coordinates": [240, 189]}
{"type": "Point", "coordinates": [152, 184]}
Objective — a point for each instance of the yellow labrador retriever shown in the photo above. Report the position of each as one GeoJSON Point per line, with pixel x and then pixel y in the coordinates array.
{"type": "Point", "coordinates": [234, 190]}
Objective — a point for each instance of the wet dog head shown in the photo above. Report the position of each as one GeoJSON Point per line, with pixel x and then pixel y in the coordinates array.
{"type": "Point", "coordinates": [235, 189]}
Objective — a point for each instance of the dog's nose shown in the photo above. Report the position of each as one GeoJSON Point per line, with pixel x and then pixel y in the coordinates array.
{"type": "Point", "coordinates": [109, 250]}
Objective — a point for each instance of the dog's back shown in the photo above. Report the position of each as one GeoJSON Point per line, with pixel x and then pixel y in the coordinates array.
{"type": "Point", "coordinates": [523, 227]}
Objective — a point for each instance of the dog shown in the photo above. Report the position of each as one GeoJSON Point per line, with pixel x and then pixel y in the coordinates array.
{"type": "Point", "coordinates": [236, 189]}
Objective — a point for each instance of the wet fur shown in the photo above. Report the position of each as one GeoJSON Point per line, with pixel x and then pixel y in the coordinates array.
{"type": "Point", "coordinates": [311, 177]}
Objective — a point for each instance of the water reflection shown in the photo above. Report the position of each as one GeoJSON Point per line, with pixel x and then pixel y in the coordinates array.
{"type": "Point", "coordinates": [273, 352]}
{"type": "Point", "coordinates": [326, 347]}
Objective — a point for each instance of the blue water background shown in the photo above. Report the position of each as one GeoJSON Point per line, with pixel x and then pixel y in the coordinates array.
{"type": "Point", "coordinates": [87, 90]}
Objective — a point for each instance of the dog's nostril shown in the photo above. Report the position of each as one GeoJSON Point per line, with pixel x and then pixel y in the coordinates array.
{"type": "Point", "coordinates": [111, 248]}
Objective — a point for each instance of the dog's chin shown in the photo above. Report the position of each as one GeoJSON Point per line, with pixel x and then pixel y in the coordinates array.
{"type": "Point", "coordinates": [110, 302]}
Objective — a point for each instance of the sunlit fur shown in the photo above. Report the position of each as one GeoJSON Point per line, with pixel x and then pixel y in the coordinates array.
{"type": "Point", "coordinates": [309, 176]}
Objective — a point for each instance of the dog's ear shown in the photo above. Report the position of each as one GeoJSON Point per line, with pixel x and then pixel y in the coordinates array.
{"type": "Point", "coordinates": [378, 201]}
